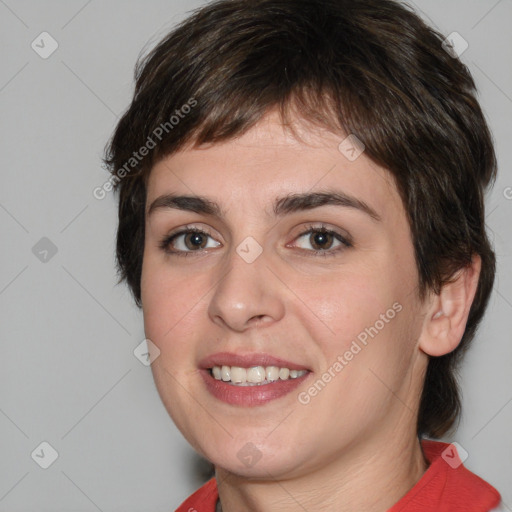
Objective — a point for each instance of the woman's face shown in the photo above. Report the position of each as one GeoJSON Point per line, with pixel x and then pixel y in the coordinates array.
{"type": "Point", "coordinates": [266, 254]}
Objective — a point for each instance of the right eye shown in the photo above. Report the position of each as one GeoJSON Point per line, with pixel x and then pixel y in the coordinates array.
{"type": "Point", "coordinates": [188, 240]}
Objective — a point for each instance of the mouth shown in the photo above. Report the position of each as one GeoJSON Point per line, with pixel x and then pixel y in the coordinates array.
{"type": "Point", "coordinates": [250, 380]}
{"type": "Point", "coordinates": [255, 375]}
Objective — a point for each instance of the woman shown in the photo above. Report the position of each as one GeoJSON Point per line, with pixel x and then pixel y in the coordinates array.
{"type": "Point", "coordinates": [301, 220]}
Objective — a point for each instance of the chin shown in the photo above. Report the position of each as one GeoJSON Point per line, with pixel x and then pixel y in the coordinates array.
{"type": "Point", "coordinates": [276, 468]}
{"type": "Point", "coordinates": [260, 460]}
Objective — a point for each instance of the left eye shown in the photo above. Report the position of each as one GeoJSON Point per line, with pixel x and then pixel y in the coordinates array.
{"type": "Point", "coordinates": [321, 240]}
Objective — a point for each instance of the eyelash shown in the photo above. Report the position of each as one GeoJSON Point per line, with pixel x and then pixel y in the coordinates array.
{"type": "Point", "coordinates": [346, 243]}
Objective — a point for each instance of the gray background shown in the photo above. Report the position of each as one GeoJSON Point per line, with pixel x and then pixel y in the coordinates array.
{"type": "Point", "coordinates": [68, 375]}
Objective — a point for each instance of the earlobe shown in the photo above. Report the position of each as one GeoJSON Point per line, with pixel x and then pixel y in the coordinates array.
{"type": "Point", "coordinates": [447, 313]}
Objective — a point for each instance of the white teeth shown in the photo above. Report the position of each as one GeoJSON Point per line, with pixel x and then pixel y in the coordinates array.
{"type": "Point", "coordinates": [255, 375]}
{"type": "Point", "coordinates": [225, 373]}
{"type": "Point", "coordinates": [284, 373]}
{"type": "Point", "coordinates": [238, 375]}
{"type": "Point", "coordinates": [272, 373]}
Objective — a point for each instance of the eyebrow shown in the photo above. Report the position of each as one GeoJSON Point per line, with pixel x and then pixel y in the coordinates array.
{"type": "Point", "coordinates": [282, 206]}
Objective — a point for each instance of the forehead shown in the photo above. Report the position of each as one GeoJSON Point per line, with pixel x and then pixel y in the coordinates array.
{"type": "Point", "coordinates": [269, 161]}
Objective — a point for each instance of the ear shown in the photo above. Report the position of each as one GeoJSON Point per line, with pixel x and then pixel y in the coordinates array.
{"type": "Point", "coordinates": [447, 313]}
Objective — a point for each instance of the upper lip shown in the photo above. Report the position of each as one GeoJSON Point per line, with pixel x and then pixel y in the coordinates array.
{"type": "Point", "coordinates": [247, 361]}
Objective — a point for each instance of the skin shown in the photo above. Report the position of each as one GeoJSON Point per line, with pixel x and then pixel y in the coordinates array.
{"type": "Point", "coordinates": [353, 446]}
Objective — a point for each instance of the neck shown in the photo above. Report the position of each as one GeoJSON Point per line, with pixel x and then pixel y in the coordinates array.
{"type": "Point", "coordinates": [372, 481]}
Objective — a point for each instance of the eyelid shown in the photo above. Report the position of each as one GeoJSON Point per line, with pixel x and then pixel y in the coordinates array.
{"type": "Point", "coordinates": [187, 228]}
{"type": "Point", "coordinates": [321, 226]}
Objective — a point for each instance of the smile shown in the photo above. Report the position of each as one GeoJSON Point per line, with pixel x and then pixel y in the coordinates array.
{"type": "Point", "coordinates": [250, 380]}
{"type": "Point", "coordinates": [254, 376]}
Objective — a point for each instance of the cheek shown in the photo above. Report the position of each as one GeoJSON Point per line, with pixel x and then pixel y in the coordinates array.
{"type": "Point", "coordinates": [171, 305]}
{"type": "Point", "coordinates": [365, 313]}
{"type": "Point", "coordinates": [341, 305]}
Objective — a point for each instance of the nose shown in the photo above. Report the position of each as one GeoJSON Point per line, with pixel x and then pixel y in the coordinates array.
{"type": "Point", "coordinates": [247, 295]}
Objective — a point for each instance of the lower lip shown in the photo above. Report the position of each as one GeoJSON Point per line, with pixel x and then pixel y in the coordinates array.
{"type": "Point", "coordinates": [250, 396]}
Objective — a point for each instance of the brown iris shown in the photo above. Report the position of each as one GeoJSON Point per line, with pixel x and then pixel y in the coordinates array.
{"type": "Point", "coordinates": [195, 240]}
{"type": "Point", "coordinates": [321, 240]}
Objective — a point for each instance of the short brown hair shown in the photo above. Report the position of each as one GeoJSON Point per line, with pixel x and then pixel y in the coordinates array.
{"type": "Point", "coordinates": [366, 67]}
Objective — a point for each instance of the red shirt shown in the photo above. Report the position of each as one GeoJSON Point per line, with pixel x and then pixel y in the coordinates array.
{"type": "Point", "coordinates": [446, 486]}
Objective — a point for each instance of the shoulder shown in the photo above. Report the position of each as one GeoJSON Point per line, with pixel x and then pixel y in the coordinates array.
{"type": "Point", "coordinates": [203, 500]}
{"type": "Point", "coordinates": [448, 485]}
